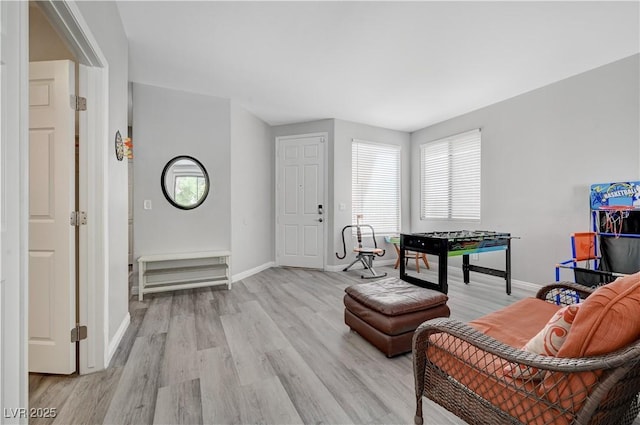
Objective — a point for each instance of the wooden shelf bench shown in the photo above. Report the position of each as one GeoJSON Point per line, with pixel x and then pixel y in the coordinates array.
{"type": "Point", "coordinates": [172, 272]}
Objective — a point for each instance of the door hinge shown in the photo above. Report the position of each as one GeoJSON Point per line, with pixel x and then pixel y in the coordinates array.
{"type": "Point", "coordinates": [78, 103]}
{"type": "Point", "coordinates": [78, 218]}
{"type": "Point", "coordinates": [78, 333]}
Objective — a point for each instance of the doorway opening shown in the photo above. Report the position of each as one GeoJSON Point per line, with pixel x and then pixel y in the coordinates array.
{"type": "Point", "coordinates": [53, 194]}
{"type": "Point", "coordinates": [67, 37]}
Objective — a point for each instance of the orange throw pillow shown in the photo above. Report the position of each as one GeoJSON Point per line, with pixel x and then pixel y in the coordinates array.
{"type": "Point", "coordinates": [608, 320]}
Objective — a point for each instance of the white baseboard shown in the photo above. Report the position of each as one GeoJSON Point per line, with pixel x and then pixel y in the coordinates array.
{"type": "Point", "coordinates": [526, 284]}
{"type": "Point", "coordinates": [329, 268]}
{"type": "Point", "coordinates": [457, 271]}
{"type": "Point", "coordinates": [115, 341]}
{"type": "Point", "coordinates": [133, 277]}
{"type": "Point", "coordinates": [245, 274]}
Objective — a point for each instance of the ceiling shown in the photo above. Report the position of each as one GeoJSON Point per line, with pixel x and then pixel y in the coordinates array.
{"type": "Point", "coordinates": [398, 65]}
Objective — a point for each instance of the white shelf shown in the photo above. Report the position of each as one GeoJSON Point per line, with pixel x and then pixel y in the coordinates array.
{"type": "Point", "coordinates": [171, 272]}
{"type": "Point", "coordinates": [183, 269]}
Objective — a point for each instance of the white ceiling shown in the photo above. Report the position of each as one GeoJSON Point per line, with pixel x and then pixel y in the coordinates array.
{"type": "Point", "coordinates": [399, 65]}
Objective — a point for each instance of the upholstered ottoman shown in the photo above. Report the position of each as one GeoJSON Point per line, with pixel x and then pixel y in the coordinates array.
{"type": "Point", "coordinates": [387, 312]}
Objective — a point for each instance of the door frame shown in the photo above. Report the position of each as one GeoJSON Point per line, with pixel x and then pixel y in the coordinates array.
{"type": "Point", "coordinates": [325, 191]}
{"type": "Point", "coordinates": [14, 126]}
{"type": "Point", "coordinates": [93, 259]}
{"type": "Point", "coordinates": [14, 159]}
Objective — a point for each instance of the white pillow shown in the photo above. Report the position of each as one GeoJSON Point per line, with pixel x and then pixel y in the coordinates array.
{"type": "Point", "coordinates": [547, 342]}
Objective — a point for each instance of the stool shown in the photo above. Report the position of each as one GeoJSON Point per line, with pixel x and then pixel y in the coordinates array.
{"type": "Point", "coordinates": [387, 312]}
{"type": "Point", "coordinates": [395, 241]}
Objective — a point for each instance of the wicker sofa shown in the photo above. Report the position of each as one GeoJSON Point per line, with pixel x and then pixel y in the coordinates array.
{"type": "Point", "coordinates": [479, 372]}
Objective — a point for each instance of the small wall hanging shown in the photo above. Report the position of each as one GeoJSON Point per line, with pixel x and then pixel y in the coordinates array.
{"type": "Point", "coordinates": [128, 148]}
{"type": "Point", "coordinates": [119, 146]}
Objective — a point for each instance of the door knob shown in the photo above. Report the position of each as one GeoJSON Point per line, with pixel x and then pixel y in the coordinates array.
{"type": "Point", "coordinates": [320, 220]}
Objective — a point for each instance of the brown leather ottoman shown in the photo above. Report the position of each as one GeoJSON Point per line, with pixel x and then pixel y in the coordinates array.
{"type": "Point", "coordinates": [387, 312]}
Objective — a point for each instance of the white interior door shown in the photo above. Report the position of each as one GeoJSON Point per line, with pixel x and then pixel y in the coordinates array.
{"type": "Point", "coordinates": [52, 256]}
{"type": "Point", "coordinates": [300, 203]}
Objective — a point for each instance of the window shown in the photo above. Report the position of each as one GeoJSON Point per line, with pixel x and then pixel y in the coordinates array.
{"type": "Point", "coordinates": [188, 190]}
{"type": "Point", "coordinates": [375, 185]}
{"type": "Point", "coordinates": [450, 178]}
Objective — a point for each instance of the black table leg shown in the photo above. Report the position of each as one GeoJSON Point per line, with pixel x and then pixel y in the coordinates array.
{"type": "Point", "coordinates": [442, 271]}
{"type": "Point", "coordinates": [465, 268]}
{"type": "Point", "coordinates": [508, 266]}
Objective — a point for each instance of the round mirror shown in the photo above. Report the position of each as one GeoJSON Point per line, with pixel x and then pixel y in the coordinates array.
{"type": "Point", "coordinates": [185, 182]}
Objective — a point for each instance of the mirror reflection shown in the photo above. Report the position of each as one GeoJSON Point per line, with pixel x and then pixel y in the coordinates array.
{"type": "Point", "coordinates": [185, 182]}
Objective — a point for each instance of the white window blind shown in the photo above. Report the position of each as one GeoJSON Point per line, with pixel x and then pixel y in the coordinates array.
{"type": "Point", "coordinates": [450, 177]}
{"type": "Point", "coordinates": [375, 185]}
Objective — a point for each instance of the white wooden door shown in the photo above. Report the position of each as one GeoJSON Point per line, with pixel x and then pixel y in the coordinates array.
{"type": "Point", "coordinates": [52, 258]}
{"type": "Point", "coordinates": [300, 203]}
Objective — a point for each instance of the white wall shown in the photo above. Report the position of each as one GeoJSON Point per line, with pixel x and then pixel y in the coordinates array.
{"type": "Point", "coordinates": [540, 153]}
{"type": "Point", "coordinates": [106, 26]}
{"type": "Point", "coordinates": [345, 132]}
{"type": "Point", "coordinates": [252, 192]}
{"type": "Point", "coordinates": [168, 123]}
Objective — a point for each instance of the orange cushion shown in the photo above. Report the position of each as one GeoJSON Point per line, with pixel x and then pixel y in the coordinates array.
{"type": "Point", "coordinates": [482, 373]}
{"type": "Point", "coordinates": [608, 320]}
{"type": "Point", "coordinates": [517, 323]}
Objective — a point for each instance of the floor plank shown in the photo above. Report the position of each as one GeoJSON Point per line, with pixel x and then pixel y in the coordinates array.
{"type": "Point", "coordinates": [157, 316]}
{"type": "Point", "coordinates": [134, 399]}
{"type": "Point", "coordinates": [312, 400]}
{"type": "Point", "coordinates": [179, 360]}
{"type": "Point", "coordinates": [222, 397]}
{"type": "Point", "coordinates": [179, 404]}
{"type": "Point", "coordinates": [90, 398]}
{"type": "Point", "coordinates": [209, 331]}
{"type": "Point", "coordinates": [51, 392]}
{"type": "Point", "coordinates": [267, 402]}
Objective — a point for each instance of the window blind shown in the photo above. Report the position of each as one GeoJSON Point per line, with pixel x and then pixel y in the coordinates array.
{"type": "Point", "coordinates": [375, 185]}
{"type": "Point", "coordinates": [450, 177]}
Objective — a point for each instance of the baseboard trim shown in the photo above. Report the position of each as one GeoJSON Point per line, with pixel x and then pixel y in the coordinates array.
{"type": "Point", "coordinates": [524, 283]}
{"type": "Point", "coordinates": [115, 341]}
{"type": "Point", "coordinates": [457, 271]}
{"type": "Point", "coordinates": [247, 273]}
{"type": "Point", "coordinates": [332, 269]}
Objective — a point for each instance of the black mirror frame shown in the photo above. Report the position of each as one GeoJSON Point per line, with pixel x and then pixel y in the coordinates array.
{"type": "Point", "coordinates": [164, 189]}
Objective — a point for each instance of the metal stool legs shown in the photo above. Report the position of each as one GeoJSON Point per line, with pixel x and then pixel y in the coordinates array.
{"type": "Point", "coordinates": [367, 263]}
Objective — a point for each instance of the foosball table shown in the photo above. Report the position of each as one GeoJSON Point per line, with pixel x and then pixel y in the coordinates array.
{"type": "Point", "coordinates": [456, 243]}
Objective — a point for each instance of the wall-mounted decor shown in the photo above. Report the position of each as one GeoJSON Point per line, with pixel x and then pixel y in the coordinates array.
{"type": "Point", "coordinates": [128, 148]}
{"type": "Point", "coordinates": [185, 182]}
{"type": "Point", "coordinates": [119, 146]}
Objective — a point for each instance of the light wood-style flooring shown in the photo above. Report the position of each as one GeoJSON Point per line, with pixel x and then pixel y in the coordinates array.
{"type": "Point", "coordinates": [272, 350]}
